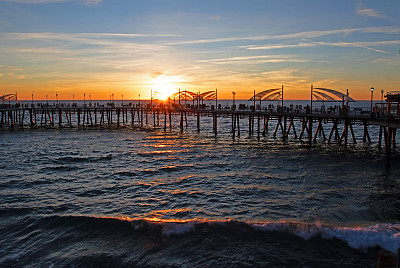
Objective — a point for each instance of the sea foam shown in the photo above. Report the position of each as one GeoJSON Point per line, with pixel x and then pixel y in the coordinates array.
{"type": "Point", "coordinates": [386, 236]}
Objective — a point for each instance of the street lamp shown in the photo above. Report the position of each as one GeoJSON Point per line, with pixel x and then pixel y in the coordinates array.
{"type": "Point", "coordinates": [382, 95]}
{"type": "Point", "coordinates": [233, 95]}
{"type": "Point", "coordinates": [372, 97]}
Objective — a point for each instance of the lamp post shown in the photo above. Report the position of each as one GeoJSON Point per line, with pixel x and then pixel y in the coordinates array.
{"type": "Point", "coordinates": [382, 95]}
{"type": "Point", "coordinates": [57, 98]}
{"type": "Point", "coordinates": [372, 97]}
{"type": "Point", "coordinates": [233, 95]}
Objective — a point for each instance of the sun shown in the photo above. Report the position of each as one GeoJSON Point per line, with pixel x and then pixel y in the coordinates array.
{"type": "Point", "coordinates": [163, 86]}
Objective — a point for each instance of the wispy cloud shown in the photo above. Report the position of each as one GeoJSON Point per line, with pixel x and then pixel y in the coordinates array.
{"type": "Point", "coordinates": [80, 36]}
{"type": "Point", "coordinates": [390, 60]}
{"type": "Point", "coordinates": [254, 59]}
{"type": "Point", "coordinates": [85, 2]}
{"type": "Point", "coordinates": [215, 18]}
{"type": "Point", "coordinates": [10, 68]}
{"type": "Point", "coordinates": [80, 43]}
{"type": "Point", "coordinates": [368, 12]}
{"type": "Point", "coordinates": [91, 54]}
{"type": "Point", "coordinates": [278, 46]}
{"type": "Point", "coordinates": [299, 35]}
{"type": "Point", "coordinates": [313, 44]}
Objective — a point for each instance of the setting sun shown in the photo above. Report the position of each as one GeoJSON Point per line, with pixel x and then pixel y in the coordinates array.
{"type": "Point", "coordinates": [163, 86]}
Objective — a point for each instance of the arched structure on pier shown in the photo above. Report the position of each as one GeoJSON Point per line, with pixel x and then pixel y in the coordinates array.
{"type": "Point", "coordinates": [268, 95]}
{"type": "Point", "coordinates": [326, 94]}
{"type": "Point", "coordinates": [9, 97]}
{"type": "Point", "coordinates": [190, 95]}
{"type": "Point", "coordinates": [209, 95]}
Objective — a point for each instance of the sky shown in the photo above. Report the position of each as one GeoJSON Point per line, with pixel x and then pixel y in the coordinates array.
{"type": "Point", "coordinates": [128, 47]}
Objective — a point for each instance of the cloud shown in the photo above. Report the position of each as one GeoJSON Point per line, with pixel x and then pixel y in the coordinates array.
{"type": "Point", "coordinates": [391, 60]}
{"type": "Point", "coordinates": [85, 2]}
{"type": "Point", "coordinates": [79, 43]}
{"type": "Point", "coordinates": [254, 59]}
{"type": "Point", "coordinates": [299, 35]}
{"type": "Point", "coordinates": [277, 46]}
{"type": "Point", "coordinates": [90, 52]}
{"type": "Point", "coordinates": [368, 12]}
{"type": "Point", "coordinates": [80, 36]}
{"type": "Point", "coordinates": [215, 18]}
{"type": "Point", "coordinates": [12, 68]}
{"type": "Point", "coordinates": [313, 44]}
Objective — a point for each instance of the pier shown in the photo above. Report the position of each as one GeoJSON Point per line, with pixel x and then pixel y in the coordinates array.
{"type": "Point", "coordinates": [303, 124]}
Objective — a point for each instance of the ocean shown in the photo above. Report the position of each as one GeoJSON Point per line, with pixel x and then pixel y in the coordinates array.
{"type": "Point", "coordinates": [135, 197]}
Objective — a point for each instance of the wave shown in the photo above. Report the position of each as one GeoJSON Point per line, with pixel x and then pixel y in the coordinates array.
{"type": "Point", "coordinates": [129, 242]}
{"type": "Point", "coordinates": [384, 235]}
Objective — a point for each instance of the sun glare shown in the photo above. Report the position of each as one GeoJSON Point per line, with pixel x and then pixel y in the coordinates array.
{"type": "Point", "coordinates": [163, 86]}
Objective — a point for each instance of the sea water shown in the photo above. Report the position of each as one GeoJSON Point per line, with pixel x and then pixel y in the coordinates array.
{"type": "Point", "coordinates": [145, 197]}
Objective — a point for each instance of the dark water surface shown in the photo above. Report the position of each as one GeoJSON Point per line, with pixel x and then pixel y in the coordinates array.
{"type": "Point", "coordinates": [80, 198]}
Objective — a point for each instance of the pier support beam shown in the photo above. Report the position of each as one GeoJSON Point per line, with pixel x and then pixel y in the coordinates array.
{"type": "Point", "coordinates": [198, 121]}
{"type": "Point", "coordinates": [60, 121]}
{"type": "Point", "coordinates": [265, 128]}
{"type": "Point", "coordinates": [310, 125]}
{"type": "Point", "coordinates": [388, 146]}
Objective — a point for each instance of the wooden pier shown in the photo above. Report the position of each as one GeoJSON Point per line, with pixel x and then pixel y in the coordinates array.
{"type": "Point", "coordinates": [323, 127]}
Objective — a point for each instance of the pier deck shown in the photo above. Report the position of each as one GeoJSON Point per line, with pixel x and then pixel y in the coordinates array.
{"type": "Point", "coordinates": [340, 126]}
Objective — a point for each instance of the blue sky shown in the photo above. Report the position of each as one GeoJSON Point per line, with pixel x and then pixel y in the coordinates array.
{"type": "Point", "coordinates": [127, 47]}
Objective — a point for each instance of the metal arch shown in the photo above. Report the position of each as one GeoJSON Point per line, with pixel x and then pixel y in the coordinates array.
{"type": "Point", "coordinates": [211, 96]}
{"type": "Point", "coordinates": [206, 94]}
{"type": "Point", "coordinates": [263, 94]}
{"type": "Point", "coordinates": [337, 94]}
{"type": "Point", "coordinates": [190, 95]}
{"type": "Point", "coordinates": [319, 98]}
{"type": "Point", "coordinates": [9, 97]}
{"type": "Point", "coordinates": [273, 96]}
{"type": "Point", "coordinates": [184, 94]}
{"type": "Point", "coordinates": [322, 96]}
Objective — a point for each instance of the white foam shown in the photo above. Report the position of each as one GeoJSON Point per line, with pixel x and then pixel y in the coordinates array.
{"type": "Point", "coordinates": [171, 228]}
{"type": "Point", "coordinates": [386, 236]}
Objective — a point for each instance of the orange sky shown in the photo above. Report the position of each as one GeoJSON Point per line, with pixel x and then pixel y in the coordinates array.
{"type": "Point", "coordinates": [128, 48]}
